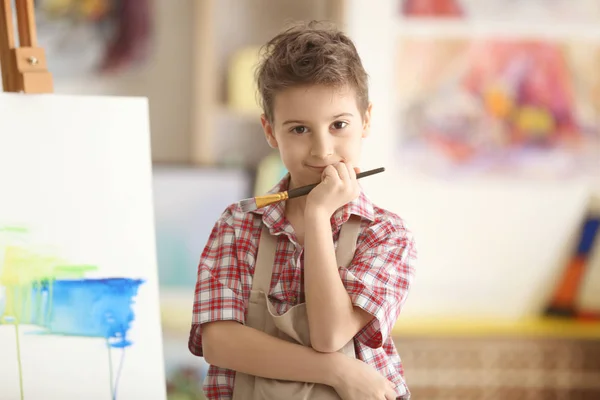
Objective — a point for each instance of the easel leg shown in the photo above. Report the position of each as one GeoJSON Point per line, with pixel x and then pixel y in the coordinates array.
{"type": "Point", "coordinates": [24, 68]}
{"type": "Point", "coordinates": [7, 42]}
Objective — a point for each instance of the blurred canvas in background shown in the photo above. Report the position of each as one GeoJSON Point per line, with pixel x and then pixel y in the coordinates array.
{"type": "Point", "coordinates": [187, 202]}
{"type": "Point", "coordinates": [503, 10]}
{"type": "Point", "coordinates": [89, 37]}
{"type": "Point", "coordinates": [500, 105]}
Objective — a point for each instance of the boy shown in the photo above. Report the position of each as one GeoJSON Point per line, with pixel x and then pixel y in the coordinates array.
{"type": "Point", "coordinates": [316, 112]}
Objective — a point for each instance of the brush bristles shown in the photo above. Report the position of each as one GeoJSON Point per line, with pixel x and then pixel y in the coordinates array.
{"type": "Point", "coordinates": [248, 205]}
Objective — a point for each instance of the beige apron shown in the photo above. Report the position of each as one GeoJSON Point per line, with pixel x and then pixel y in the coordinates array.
{"type": "Point", "coordinates": [291, 326]}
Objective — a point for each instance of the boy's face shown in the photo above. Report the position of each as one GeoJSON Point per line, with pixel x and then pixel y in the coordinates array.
{"type": "Point", "coordinates": [315, 126]}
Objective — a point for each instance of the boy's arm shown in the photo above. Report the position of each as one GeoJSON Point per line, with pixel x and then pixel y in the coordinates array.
{"type": "Point", "coordinates": [333, 319]}
{"type": "Point", "coordinates": [218, 332]}
{"type": "Point", "coordinates": [228, 344]}
{"type": "Point", "coordinates": [218, 327]}
{"type": "Point", "coordinates": [365, 300]}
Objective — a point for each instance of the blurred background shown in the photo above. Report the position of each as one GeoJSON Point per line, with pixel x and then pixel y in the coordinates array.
{"type": "Point", "coordinates": [486, 117]}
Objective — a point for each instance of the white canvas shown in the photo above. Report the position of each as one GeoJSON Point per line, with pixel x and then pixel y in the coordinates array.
{"type": "Point", "coordinates": [76, 235]}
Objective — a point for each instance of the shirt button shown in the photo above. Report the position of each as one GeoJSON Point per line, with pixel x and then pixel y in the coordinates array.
{"type": "Point", "coordinates": [293, 299]}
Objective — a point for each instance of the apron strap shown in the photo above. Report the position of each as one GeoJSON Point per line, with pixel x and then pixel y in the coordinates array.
{"type": "Point", "coordinates": [347, 241]}
{"type": "Point", "coordinates": [263, 267]}
{"type": "Point", "coordinates": [267, 244]}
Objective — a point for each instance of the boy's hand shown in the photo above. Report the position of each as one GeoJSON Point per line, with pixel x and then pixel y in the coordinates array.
{"type": "Point", "coordinates": [337, 188]}
{"type": "Point", "coordinates": [360, 381]}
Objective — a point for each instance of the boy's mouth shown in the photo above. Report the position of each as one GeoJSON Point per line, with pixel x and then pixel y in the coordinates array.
{"type": "Point", "coordinates": [316, 168]}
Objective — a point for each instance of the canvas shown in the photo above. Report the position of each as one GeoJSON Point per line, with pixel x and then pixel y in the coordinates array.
{"type": "Point", "coordinates": [499, 106]}
{"type": "Point", "coordinates": [524, 11]}
{"type": "Point", "coordinates": [79, 307]}
{"type": "Point", "coordinates": [187, 203]}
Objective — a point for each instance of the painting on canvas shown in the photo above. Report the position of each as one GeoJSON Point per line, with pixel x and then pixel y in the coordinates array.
{"type": "Point", "coordinates": [527, 11]}
{"type": "Point", "coordinates": [493, 105]}
{"type": "Point", "coordinates": [79, 308]}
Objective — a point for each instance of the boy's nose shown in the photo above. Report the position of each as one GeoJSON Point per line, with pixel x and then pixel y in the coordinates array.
{"type": "Point", "coordinates": [321, 148]}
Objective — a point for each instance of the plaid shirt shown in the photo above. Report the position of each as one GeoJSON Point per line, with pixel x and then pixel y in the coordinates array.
{"type": "Point", "coordinates": [377, 280]}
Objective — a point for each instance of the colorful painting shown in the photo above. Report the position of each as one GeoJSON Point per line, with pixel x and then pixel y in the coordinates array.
{"type": "Point", "coordinates": [43, 294]}
{"type": "Point", "coordinates": [536, 11]}
{"type": "Point", "coordinates": [499, 105]}
{"type": "Point", "coordinates": [79, 303]}
{"type": "Point", "coordinates": [93, 36]}
{"type": "Point", "coordinates": [431, 8]}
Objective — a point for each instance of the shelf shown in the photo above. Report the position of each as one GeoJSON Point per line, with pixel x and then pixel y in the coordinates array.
{"type": "Point", "coordinates": [176, 311]}
{"type": "Point", "coordinates": [448, 29]}
{"type": "Point", "coordinates": [542, 327]}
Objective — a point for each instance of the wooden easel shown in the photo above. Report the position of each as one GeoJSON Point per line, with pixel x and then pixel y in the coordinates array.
{"type": "Point", "coordinates": [24, 68]}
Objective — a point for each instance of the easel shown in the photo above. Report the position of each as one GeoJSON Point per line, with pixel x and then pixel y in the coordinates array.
{"type": "Point", "coordinates": [24, 68]}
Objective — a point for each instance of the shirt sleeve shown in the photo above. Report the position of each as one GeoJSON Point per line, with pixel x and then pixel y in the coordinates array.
{"type": "Point", "coordinates": [379, 278]}
{"type": "Point", "coordinates": [218, 295]}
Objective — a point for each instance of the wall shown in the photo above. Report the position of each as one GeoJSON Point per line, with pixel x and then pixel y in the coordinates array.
{"type": "Point", "coordinates": [487, 247]}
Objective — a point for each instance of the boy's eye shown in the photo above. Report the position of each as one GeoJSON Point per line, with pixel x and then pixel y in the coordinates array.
{"type": "Point", "coordinates": [340, 124]}
{"type": "Point", "coordinates": [299, 129]}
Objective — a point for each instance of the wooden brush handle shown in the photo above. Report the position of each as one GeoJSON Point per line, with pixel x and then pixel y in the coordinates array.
{"type": "Point", "coordinates": [304, 190]}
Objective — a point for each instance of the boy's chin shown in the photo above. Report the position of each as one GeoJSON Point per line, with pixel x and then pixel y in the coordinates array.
{"type": "Point", "coordinates": [305, 178]}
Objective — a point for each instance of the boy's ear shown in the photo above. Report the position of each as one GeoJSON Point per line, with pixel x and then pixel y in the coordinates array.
{"type": "Point", "coordinates": [268, 129]}
{"type": "Point", "coordinates": [367, 121]}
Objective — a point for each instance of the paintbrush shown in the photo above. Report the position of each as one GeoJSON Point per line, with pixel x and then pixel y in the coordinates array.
{"type": "Point", "coordinates": [254, 203]}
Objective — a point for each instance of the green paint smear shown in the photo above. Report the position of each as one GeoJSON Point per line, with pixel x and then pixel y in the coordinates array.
{"type": "Point", "coordinates": [23, 268]}
{"type": "Point", "coordinates": [10, 320]}
{"type": "Point", "coordinates": [14, 229]}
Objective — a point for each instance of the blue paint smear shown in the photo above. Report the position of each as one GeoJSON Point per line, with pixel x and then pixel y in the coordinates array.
{"type": "Point", "coordinates": [86, 307]}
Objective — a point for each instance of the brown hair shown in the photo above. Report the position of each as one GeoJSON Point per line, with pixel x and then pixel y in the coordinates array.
{"type": "Point", "coordinates": [308, 54]}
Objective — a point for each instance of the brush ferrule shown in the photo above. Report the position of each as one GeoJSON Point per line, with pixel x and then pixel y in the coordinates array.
{"type": "Point", "coordinates": [265, 200]}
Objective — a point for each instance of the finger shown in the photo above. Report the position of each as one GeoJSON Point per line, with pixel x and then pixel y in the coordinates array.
{"type": "Point", "coordinates": [330, 172]}
{"type": "Point", "coordinates": [391, 395]}
{"type": "Point", "coordinates": [342, 171]}
{"type": "Point", "coordinates": [357, 170]}
{"type": "Point", "coordinates": [351, 171]}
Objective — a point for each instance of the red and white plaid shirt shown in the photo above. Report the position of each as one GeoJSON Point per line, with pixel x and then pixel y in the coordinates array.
{"type": "Point", "coordinates": [377, 280]}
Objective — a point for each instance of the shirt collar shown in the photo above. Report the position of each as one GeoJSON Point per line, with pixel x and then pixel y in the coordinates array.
{"type": "Point", "coordinates": [273, 215]}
